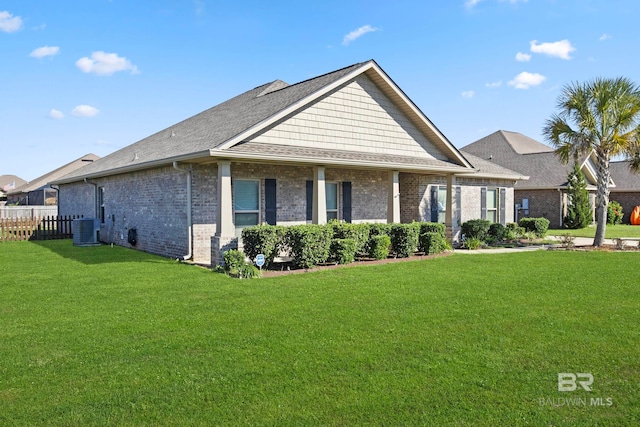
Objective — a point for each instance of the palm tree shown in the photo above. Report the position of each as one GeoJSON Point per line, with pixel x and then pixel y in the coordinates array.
{"type": "Point", "coordinates": [600, 117]}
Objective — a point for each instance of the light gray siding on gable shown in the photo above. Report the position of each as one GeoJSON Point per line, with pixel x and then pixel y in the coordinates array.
{"type": "Point", "coordinates": [358, 117]}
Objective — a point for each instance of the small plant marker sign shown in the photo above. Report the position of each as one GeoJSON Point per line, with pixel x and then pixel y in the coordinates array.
{"type": "Point", "coordinates": [260, 261]}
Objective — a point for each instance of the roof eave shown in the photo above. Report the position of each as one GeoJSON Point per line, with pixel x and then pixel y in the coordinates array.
{"type": "Point", "coordinates": [494, 175]}
{"type": "Point", "coordinates": [223, 154]}
{"type": "Point", "coordinates": [134, 168]}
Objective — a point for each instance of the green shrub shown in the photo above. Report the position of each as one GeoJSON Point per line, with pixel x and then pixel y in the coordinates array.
{"type": "Point", "coordinates": [308, 244]}
{"type": "Point", "coordinates": [404, 238]}
{"type": "Point", "coordinates": [262, 239]}
{"type": "Point", "coordinates": [359, 233]}
{"type": "Point", "coordinates": [432, 243]}
{"type": "Point", "coordinates": [379, 246]}
{"type": "Point", "coordinates": [614, 213]}
{"type": "Point", "coordinates": [433, 227]}
{"type": "Point", "coordinates": [343, 251]}
{"type": "Point", "coordinates": [537, 226]}
{"type": "Point", "coordinates": [513, 231]}
{"type": "Point", "coordinates": [233, 259]}
{"type": "Point", "coordinates": [476, 229]}
{"type": "Point", "coordinates": [236, 266]}
{"type": "Point", "coordinates": [473, 243]}
{"type": "Point", "coordinates": [497, 232]}
{"type": "Point", "coordinates": [379, 229]}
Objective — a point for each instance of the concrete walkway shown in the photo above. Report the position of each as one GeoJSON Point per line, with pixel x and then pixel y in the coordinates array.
{"type": "Point", "coordinates": [578, 242]}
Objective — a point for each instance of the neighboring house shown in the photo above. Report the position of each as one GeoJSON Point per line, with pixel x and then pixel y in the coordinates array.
{"type": "Point", "coordinates": [348, 145]}
{"type": "Point", "coordinates": [8, 183]}
{"type": "Point", "coordinates": [544, 193]}
{"type": "Point", "coordinates": [627, 188]}
{"type": "Point", "coordinates": [39, 192]}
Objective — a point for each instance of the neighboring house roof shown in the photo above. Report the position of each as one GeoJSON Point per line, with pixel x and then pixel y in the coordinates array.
{"type": "Point", "coordinates": [49, 177]}
{"type": "Point", "coordinates": [626, 181]}
{"type": "Point", "coordinates": [9, 183]}
{"type": "Point", "coordinates": [490, 169]}
{"type": "Point", "coordinates": [243, 128]}
{"type": "Point", "coordinates": [529, 157]}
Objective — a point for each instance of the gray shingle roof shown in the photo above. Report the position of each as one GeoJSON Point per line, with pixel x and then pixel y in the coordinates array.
{"type": "Point", "coordinates": [486, 167]}
{"type": "Point", "coordinates": [49, 177]}
{"type": "Point", "coordinates": [624, 179]}
{"type": "Point", "coordinates": [534, 159]}
{"type": "Point", "coordinates": [211, 128]}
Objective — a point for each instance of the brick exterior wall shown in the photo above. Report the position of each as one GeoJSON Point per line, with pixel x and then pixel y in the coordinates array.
{"type": "Point", "coordinates": [77, 199]}
{"type": "Point", "coordinates": [628, 201]}
{"type": "Point", "coordinates": [542, 203]}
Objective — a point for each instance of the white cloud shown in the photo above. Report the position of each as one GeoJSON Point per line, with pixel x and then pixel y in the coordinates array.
{"type": "Point", "coordinates": [515, 1]}
{"type": "Point", "coordinates": [559, 49]}
{"type": "Point", "coordinates": [605, 36]}
{"type": "Point", "coordinates": [56, 114]}
{"type": "Point", "coordinates": [471, 3]}
{"type": "Point", "coordinates": [85, 111]}
{"type": "Point", "coordinates": [9, 23]}
{"type": "Point", "coordinates": [353, 35]}
{"type": "Point", "coordinates": [526, 80]}
{"type": "Point", "coordinates": [43, 51]}
{"type": "Point", "coordinates": [523, 57]}
{"type": "Point", "coordinates": [468, 94]}
{"type": "Point", "coordinates": [494, 84]}
{"type": "Point", "coordinates": [105, 64]}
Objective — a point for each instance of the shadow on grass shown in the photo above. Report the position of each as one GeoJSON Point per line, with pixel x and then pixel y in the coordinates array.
{"type": "Point", "coordinates": [98, 254]}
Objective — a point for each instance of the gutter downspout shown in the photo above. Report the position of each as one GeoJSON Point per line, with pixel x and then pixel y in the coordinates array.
{"type": "Point", "coordinates": [95, 197]}
{"type": "Point", "coordinates": [189, 255]}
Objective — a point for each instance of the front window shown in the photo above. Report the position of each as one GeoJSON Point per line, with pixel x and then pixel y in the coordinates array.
{"type": "Point", "coordinates": [331, 190]}
{"type": "Point", "coordinates": [246, 203]}
{"type": "Point", "coordinates": [492, 205]}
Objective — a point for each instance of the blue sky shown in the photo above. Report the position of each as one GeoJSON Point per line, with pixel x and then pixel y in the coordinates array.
{"type": "Point", "coordinates": [93, 76]}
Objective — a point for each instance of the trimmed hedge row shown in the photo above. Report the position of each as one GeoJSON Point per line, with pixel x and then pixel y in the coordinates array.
{"type": "Point", "coordinates": [482, 230]}
{"type": "Point", "coordinates": [340, 242]}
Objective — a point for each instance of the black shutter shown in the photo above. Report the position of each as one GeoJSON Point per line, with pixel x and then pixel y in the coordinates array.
{"type": "Point", "coordinates": [434, 203]}
{"type": "Point", "coordinates": [346, 201]}
{"type": "Point", "coordinates": [503, 205]}
{"type": "Point", "coordinates": [457, 220]}
{"type": "Point", "coordinates": [270, 210]}
{"type": "Point", "coordinates": [483, 203]}
{"type": "Point", "coordinates": [309, 200]}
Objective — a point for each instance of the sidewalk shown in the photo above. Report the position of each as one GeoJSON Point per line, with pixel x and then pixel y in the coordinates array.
{"type": "Point", "coordinates": [577, 242]}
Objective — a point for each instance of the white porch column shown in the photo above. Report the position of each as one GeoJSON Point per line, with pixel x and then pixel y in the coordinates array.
{"type": "Point", "coordinates": [393, 204]}
{"type": "Point", "coordinates": [224, 217]}
{"type": "Point", "coordinates": [319, 196]}
{"type": "Point", "coordinates": [448, 215]}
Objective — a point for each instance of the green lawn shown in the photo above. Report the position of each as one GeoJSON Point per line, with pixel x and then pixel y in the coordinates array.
{"type": "Point", "coordinates": [613, 231]}
{"type": "Point", "coordinates": [109, 336]}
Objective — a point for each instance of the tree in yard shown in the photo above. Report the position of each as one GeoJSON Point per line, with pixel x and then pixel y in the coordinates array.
{"type": "Point", "coordinates": [579, 213]}
{"type": "Point", "coordinates": [600, 117]}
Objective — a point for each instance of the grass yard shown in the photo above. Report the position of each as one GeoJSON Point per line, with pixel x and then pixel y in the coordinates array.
{"type": "Point", "coordinates": [613, 231]}
{"type": "Point", "coordinates": [109, 336]}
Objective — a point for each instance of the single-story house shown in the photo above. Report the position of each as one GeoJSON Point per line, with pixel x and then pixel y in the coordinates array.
{"type": "Point", "coordinates": [9, 183]}
{"type": "Point", "coordinates": [38, 192]}
{"type": "Point", "coordinates": [347, 145]}
{"type": "Point", "coordinates": [544, 194]}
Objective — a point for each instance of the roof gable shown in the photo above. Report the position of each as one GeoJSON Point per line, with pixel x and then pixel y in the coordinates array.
{"type": "Point", "coordinates": [357, 116]}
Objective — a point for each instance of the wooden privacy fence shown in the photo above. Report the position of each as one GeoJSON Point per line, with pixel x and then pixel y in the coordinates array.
{"type": "Point", "coordinates": [47, 228]}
